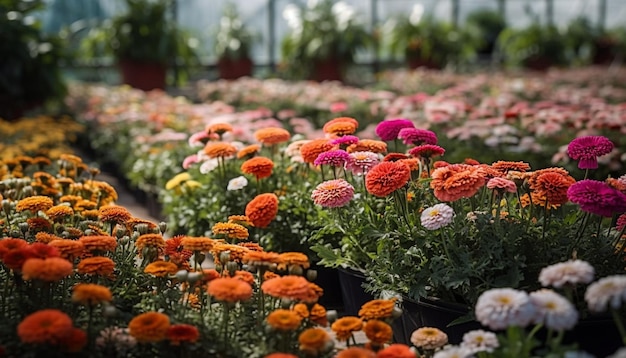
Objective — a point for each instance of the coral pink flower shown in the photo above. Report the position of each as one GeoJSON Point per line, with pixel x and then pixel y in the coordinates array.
{"type": "Point", "coordinates": [427, 151]}
{"type": "Point", "coordinates": [360, 163]}
{"type": "Point", "coordinates": [333, 193]}
{"type": "Point", "coordinates": [502, 184]}
{"type": "Point", "coordinates": [387, 177]}
{"type": "Point", "coordinates": [456, 181]}
{"type": "Point", "coordinates": [587, 150]}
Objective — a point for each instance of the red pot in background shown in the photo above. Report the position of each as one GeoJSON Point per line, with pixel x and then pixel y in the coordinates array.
{"type": "Point", "coordinates": [330, 69]}
{"type": "Point", "coordinates": [143, 75]}
{"type": "Point", "coordinates": [230, 69]}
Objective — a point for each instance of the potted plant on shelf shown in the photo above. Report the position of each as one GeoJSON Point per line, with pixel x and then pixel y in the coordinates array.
{"type": "Point", "coordinates": [144, 41]}
{"type": "Point", "coordinates": [233, 43]}
{"type": "Point", "coordinates": [487, 24]}
{"type": "Point", "coordinates": [325, 37]}
{"type": "Point", "coordinates": [536, 47]}
{"type": "Point", "coordinates": [29, 60]}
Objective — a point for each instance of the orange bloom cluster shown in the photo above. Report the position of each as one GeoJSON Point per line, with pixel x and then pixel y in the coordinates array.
{"type": "Point", "coordinates": [314, 341]}
{"type": "Point", "coordinates": [260, 258]}
{"type": "Point", "coordinates": [48, 326]}
{"type": "Point", "coordinates": [149, 327]}
{"type": "Point", "coordinates": [239, 219]}
{"type": "Point", "coordinates": [345, 327]}
{"type": "Point", "coordinates": [161, 268]}
{"type": "Point", "coordinates": [248, 151]}
{"type": "Point", "coordinates": [94, 243]}
{"type": "Point", "coordinates": [310, 150]}
{"type": "Point", "coordinates": [89, 294]}
{"type": "Point", "coordinates": [292, 287]}
{"type": "Point", "coordinates": [69, 249]}
{"type": "Point", "coordinates": [386, 177]}
{"type": "Point", "coordinates": [219, 128]}
{"type": "Point", "coordinates": [429, 338]}
{"type": "Point", "coordinates": [45, 237]}
{"type": "Point", "coordinates": [456, 181]}
{"type": "Point", "coordinates": [377, 309]}
{"type": "Point", "coordinates": [356, 352]}
{"type": "Point", "coordinates": [230, 230]}
{"type": "Point", "coordinates": [37, 224]}
{"type": "Point", "coordinates": [97, 265]}
{"type": "Point", "coordinates": [251, 246]}
{"type": "Point", "coordinates": [114, 214]}
{"type": "Point", "coordinates": [549, 186]}
{"type": "Point", "coordinates": [34, 204]}
{"type": "Point", "coordinates": [260, 167]}
{"type": "Point", "coordinates": [378, 332]}
{"type": "Point", "coordinates": [10, 244]}
{"type": "Point", "coordinates": [317, 313]}
{"type": "Point", "coordinates": [50, 269]}
{"type": "Point", "coordinates": [203, 244]}
{"type": "Point", "coordinates": [236, 252]}
{"type": "Point", "coordinates": [262, 209]}
{"type": "Point", "coordinates": [505, 166]}
{"type": "Point", "coordinates": [219, 149]}
{"type": "Point", "coordinates": [272, 135]}
{"type": "Point", "coordinates": [368, 145]}
{"type": "Point", "coordinates": [149, 240]}
{"type": "Point", "coordinates": [180, 333]}
{"type": "Point", "coordinates": [244, 276]}
{"type": "Point", "coordinates": [328, 126]}
{"type": "Point", "coordinates": [287, 260]}
{"type": "Point", "coordinates": [284, 320]}
{"type": "Point", "coordinates": [176, 252]}
{"type": "Point", "coordinates": [58, 213]}
{"type": "Point", "coordinates": [229, 289]}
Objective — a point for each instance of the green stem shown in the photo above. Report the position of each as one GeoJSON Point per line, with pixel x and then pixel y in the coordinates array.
{"type": "Point", "coordinates": [620, 325]}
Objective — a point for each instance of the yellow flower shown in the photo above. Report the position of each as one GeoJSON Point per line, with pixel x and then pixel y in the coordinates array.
{"type": "Point", "coordinates": [177, 180]}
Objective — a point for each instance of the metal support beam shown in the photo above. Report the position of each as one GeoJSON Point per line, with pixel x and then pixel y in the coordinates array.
{"type": "Point", "coordinates": [271, 18]}
{"type": "Point", "coordinates": [550, 12]}
{"type": "Point", "coordinates": [374, 22]}
{"type": "Point", "coordinates": [602, 15]}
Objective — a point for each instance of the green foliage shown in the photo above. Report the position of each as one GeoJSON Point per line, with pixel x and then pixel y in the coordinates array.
{"type": "Point", "coordinates": [233, 40]}
{"type": "Point", "coordinates": [29, 59]}
{"type": "Point", "coordinates": [534, 46]}
{"type": "Point", "coordinates": [486, 25]}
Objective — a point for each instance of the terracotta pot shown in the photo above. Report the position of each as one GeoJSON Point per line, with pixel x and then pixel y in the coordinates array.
{"type": "Point", "coordinates": [330, 69]}
{"type": "Point", "coordinates": [230, 69]}
{"type": "Point", "coordinates": [415, 63]}
{"type": "Point", "coordinates": [143, 75]}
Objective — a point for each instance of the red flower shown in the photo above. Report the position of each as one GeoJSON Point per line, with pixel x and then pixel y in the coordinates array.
{"type": "Point", "coordinates": [262, 209]}
{"type": "Point", "coordinates": [387, 177]}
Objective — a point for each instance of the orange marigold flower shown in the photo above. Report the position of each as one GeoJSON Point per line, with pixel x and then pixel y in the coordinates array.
{"type": "Point", "coordinates": [339, 129]}
{"type": "Point", "coordinates": [429, 338]}
{"type": "Point", "coordinates": [175, 250]}
{"type": "Point", "coordinates": [260, 167]}
{"type": "Point", "coordinates": [181, 333]}
{"type": "Point", "coordinates": [85, 204]}
{"type": "Point", "coordinates": [15, 259]}
{"type": "Point", "coordinates": [551, 187]}
{"type": "Point", "coordinates": [236, 252]}
{"type": "Point", "coordinates": [505, 166]}
{"type": "Point", "coordinates": [150, 240]}
{"type": "Point", "coordinates": [132, 223]}
{"type": "Point", "coordinates": [192, 243]}
{"type": "Point", "coordinates": [149, 327]}
{"type": "Point", "coordinates": [301, 309]}
{"type": "Point", "coordinates": [161, 268]}
{"type": "Point", "coordinates": [345, 326]}
{"type": "Point", "coordinates": [248, 151]}
{"type": "Point", "coordinates": [90, 214]}
{"type": "Point", "coordinates": [377, 309]}
{"type": "Point", "coordinates": [229, 289]}
{"type": "Point", "coordinates": [230, 231]}
{"type": "Point", "coordinates": [368, 145]}
{"type": "Point", "coordinates": [34, 204]}
{"type": "Point", "coordinates": [97, 265]}
{"type": "Point", "coordinates": [284, 320]}
{"type": "Point", "coordinates": [89, 294]}
{"type": "Point", "coordinates": [292, 287]}
{"type": "Point", "coordinates": [394, 157]}
{"type": "Point", "coordinates": [262, 209]}
{"type": "Point", "coordinates": [244, 276]}
{"type": "Point", "coordinates": [8, 244]}
{"type": "Point", "coordinates": [219, 128]}
{"type": "Point", "coordinates": [334, 121]}
{"type": "Point", "coordinates": [69, 249]}
{"type": "Point", "coordinates": [48, 326]}
{"type": "Point", "coordinates": [239, 219]}
{"type": "Point", "coordinates": [456, 181]}
{"type": "Point", "coordinates": [356, 352]}
{"type": "Point", "coordinates": [386, 177]}
{"type": "Point", "coordinates": [289, 259]}
{"type": "Point", "coordinates": [50, 269]}
{"type": "Point", "coordinates": [318, 315]}
{"type": "Point", "coordinates": [378, 332]}
{"type": "Point", "coordinates": [219, 149]}
{"type": "Point", "coordinates": [74, 342]}
{"type": "Point", "coordinates": [39, 224]}
{"type": "Point", "coordinates": [98, 243]}
{"type": "Point", "coordinates": [396, 350]}
{"type": "Point", "coordinates": [311, 149]}
{"type": "Point", "coordinates": [42, 251]}
{"type": "Point", "coordinates": [268, 275]}
{"type": "Point", "coordinates": [251, 246]}
{"type": "Point", "coordinates": [261, 258]}
{"type": "Point", "coordinates": [314, 341]}
{"type": "Point", "coordinates": [114, 214]}
{"type": "Point", "coordinates": [59, 212]}
{"type": "Point", "coordinates": [272, 135]}
{"type": "Point", "coordinates": [281, 355]}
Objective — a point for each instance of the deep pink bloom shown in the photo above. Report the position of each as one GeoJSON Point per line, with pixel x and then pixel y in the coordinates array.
{"type": "Point", "coordinates": [338, 107]}
{"type": "Point", "coordinates": [621, 222]}
{"type": "Point", "coordinates": [502, 184]}
{"type": "Point", "coordinates": [388, 129]}
{"type": "Point", "coordinates": [334, 158]}
{"type": "Point", "coordinates": [192, 159]}
{"type": "Point", "coordinates": [198, 139]}
{"type": "Point", "coordinates": [360, 163]}
{"type": "Point", "coordinates": [333, 193]}
{"type": "Point", "coordinates": [587, 150]}
{"type": "Point", "coordinates": [597, 197]}
{"type": "Point", "coordinates": [345, 140]}
{"type": "Point", "coordinates": [426, 151]}
{"type": "Point", "coordinates": [416, 136]}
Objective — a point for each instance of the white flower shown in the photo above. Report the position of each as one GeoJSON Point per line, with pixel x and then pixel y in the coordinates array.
{"type": "Point", "coordinates": [237, 183]}
{"type": "Point", "coordinates": [610, 290]}
{"type": "Point", "coordinates": [479, 340]}
{"type": "Point", "coordinates": [437, 216]}
{"type": "Point", "coordinates": [620, 353]}
{"type": "Point", "coordinates": [453, 352]}
{"type": "Point", "coordinates": [566, 273]}
{"type": "Point", "coordinates": [208, 165]}
{"type": "Point", "coordinates": [500, 308]}
{"type": "Point", "coordinates": [553, 310]}
{"type": "Point", "coordinates": [580, 354]}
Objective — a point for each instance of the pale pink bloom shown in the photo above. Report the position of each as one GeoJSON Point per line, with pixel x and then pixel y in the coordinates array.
{"type": "Point", "coordinates": [553, 310]}
{"type": "Point", "coordinates": [480, 341]}
{"type": "Point", "coordinates": [237, 183]}
{"type": "Point", "coordinates": [359, 163]}
{"type": "Point", "coordinates": [188, 161]}
{"type": "Point", "coordinates": [571, 272]}
{"type": "Point", "coordinates": [333, 193]}
{"type": "Point", "coordinates": [500, 308]}
{"type": "Point", "coordinates": [607, 292]}
{"type": "Point", "coordinates": [502, 184]}
{"type": "Point", "coordinates": [437, 216]}
{"type": "Point", "coordinates": [453, 352]}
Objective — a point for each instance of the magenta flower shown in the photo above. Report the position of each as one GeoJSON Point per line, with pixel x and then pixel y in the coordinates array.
{"type": "Point", "coordinates": [333, 193]}
{"type": "Point", "coordinates": [345, 140]}
{"type": "Point", "coordinates": [360, 163]}
{"type": "Point", "coordinates": [587, 150]}
{"type": "Point", "coordinates": [621, 222]}
{"type": "Point", "coordinates": [334, 158]}
{"type": "Point", "coordinates": [417, 136]}
{"type": "Point", "coordinates": [426, 151]}
{"type": "Point", "coordinates": [388, 129]}
{"type": "Point", "coordinates": [597, 197]}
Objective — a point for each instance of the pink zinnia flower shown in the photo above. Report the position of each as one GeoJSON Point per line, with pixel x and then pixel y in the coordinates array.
{"type": "Point", "coordinates": [587, 150]}
{"type": "Point", "coordinates": [192, 159]}
{"type": "Point", "coordinates": [597, 197]}
{"type": "Point", "coordinates": [333, 193]}
{"type": "Point", "coordinates": [500, 308]}
{"type": "Point", "coordinates": [360, 163]}
{"type": "Point", "coordinates": [417, 136]}
{"type": "Point", "coordinates": [502, 184]}
{"type": "Point", "coordinates": [338, 107]}
{"type": "Point", "coordinates": [198, 139]}
{"type": "Point", "coordinates": [388, 129]}
{"type": "Point", "coordinates": [345, 140]}
{"type": "Point", "coordinates": [621, 222]}
{"type": "Point", "coordinates": [335, 158]}
{"type": "Point", "coordinates": [427, 151]}
{"type": "Point", "coordinates": [437, 216]}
